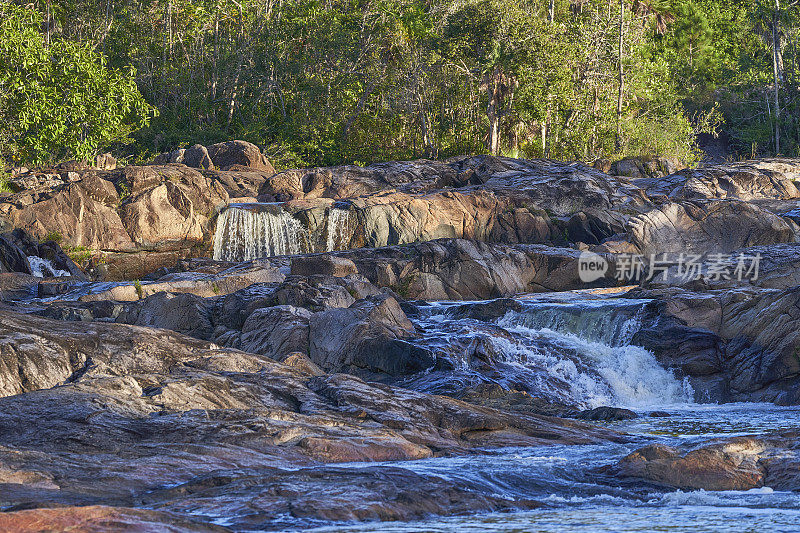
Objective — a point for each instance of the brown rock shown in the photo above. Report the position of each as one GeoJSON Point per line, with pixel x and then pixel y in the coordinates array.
{"type": "Point", "coordinates": [101, 519]}
{"type": "Point", "coordinates": [239, 154]}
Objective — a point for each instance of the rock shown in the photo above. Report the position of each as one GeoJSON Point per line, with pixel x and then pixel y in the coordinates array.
{"type": "Point", "coordinates": [776, 266]}
{"type": "Point", "coordinates": [456, 269]}
{"type": "Point", "coordinates": [197, 157]}
{"type": "Point", "coordinates": [708, 227]}
{"type": "Point", "coordinates": [84, 213]}
{"type": "Point", "coordinates": [748, 180]}
{"type": "Point", "coordinates": [48, 250]}
{"type": "Point", "coordinates": [738, 463]}
{"type": "Point", "coordinates": [606, 414]}
{"type": "Point", "coordinates": [301, 363]}
{"type": "Point", "coordinates": [105, 162]}
{"type": "Point", "coordinates": [276, 331]}
{"type": "Point", "coordinates": [185, 313]}
{"type": "Point", "coordinates": [345, 495]}
{"type": "Point", "coordinates": [594, 227]}
{"type": "Point", "coordinates": [169, 203]}
{"type": "Point", "coordinates": [17, 286]}
{"type": "Point", "coordinates": [638, 167]}
{"type": "Point", "coordinates": [328, 265]}
{"type": "Point", "coordinates": [742, 342]}
{"type": "Point", "coordinates": [239, 154]}
{"type": "Point", "coordinates": [12, 258]}
{"type": "Point", "coordinates": [366, 337]}
{"type": "Point", "coordinates": [206, 285]}
{"type": "Point", "coordinates": [146, 417]}
{"type": "Point", "coordinates": [101, 519]}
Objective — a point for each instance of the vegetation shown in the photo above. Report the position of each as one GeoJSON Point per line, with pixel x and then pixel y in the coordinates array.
{"type": "Point", "coordinates": [58, 98]}
{"type": "Point", "coordinates": [339, 81]}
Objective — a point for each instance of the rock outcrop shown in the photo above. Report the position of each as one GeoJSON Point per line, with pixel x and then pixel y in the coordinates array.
{"type": "Point", "coordinates": [739, 345]}
{"type": "Point", "coordinates": [191, 415]}
{"type": "Point", "coordinates": [739, 463]}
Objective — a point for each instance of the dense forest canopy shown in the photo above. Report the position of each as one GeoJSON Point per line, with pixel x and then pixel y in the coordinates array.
{"type": "Point", "coordinates": [323, 82]}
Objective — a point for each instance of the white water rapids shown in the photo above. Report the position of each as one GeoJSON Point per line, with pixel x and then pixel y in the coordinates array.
{"type": "Point", "coordinates": [43, 268]}
{"type": "Point", "coordinates": [574, 352]}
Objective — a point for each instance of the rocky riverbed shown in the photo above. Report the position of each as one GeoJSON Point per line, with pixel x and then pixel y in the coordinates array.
{"type": "Point", "coordinates": [220, 347]}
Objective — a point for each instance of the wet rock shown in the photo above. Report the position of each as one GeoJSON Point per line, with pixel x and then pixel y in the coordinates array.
{"type": "Point", "coordinates": [101, 519]}
{"type": "Point", "coordinates": [334, 494]}
{"type": "Point", "coordinates": [146, 417]}
{"type": "Point", "coordinates": [745, 338]}
{"type": "Point", "coordinates": [12, 258]}
{"type": "Point", "coordinates": [606, 414]}
{"type": "Point", "coordinates": [739, 463]}
{"type": "Point", "coordinates": [17, 286]}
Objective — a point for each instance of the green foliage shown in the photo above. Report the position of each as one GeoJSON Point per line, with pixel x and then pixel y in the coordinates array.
{"type": "Point", "coordinates": [344, 81]}
{"type": "Point", "coordinates": [59, 100]}
{"type": "Point", "coordinates": [81, 255]}
{"type": "Point", "coordinates": [137, 285]}
{"type": "Point", "coordinates": [53, 236]}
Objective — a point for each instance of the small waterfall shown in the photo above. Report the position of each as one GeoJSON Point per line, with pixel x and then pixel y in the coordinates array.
{"type": "Point", "coordinates": [42, 268]}
{"type": "Point", "coordinates": [575, 352]}
{"type": "Point", "coordinates": [338, 229]}
{"type": "Point", "coordinates": [246, 232]}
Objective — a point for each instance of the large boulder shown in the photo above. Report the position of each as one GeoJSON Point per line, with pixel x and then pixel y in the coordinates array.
{"type": "Point", "coordinates": [708, 227]}
{"type": "Point", "coordinates": [739, 463]}
{"type": "Point", "coordinates": [366, 337]}
{"type": "Point", "coordinates": [233, 155]}
{"type": "Point", "coordinates": [776, 179]}
{"type": "Point", "coordinates": [741, 344]}
{"type": "Point", "coordinates": [84, 213]}
{"type": "Point", "coordinates": [197, 156]}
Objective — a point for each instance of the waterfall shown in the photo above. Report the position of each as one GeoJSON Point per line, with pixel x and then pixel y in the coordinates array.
{"type": "Point", "coordinates": [575, 352]}
{"type": "Point", "coordinates": [42, 268]}
{"type": "Point", "coordinates": [246, 232]}
{"type": "Point", "coordinates": [338, 229]}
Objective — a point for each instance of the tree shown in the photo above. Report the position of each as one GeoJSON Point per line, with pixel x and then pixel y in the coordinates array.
{"type": "Point", "coordinates": [60, 100]}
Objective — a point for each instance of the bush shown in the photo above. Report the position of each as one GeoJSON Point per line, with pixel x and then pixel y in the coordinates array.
{"type": "Point", "coordinates": [60, 100]}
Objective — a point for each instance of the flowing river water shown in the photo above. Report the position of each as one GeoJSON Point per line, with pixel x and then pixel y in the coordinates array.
{"type": "Point", "coordinates": [576, 349]}
{"type": "Point", "coordinates": [580, 347]}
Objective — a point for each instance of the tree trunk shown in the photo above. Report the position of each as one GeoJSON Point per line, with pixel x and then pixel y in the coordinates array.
{"type": "Point", "coordinates": [493, 91]}
{"type": "Point", "coordinates": [214, 72]}
{"type": "Point", "coordinates": [775, 52]}
{"type": "Point", "coordinates": [621, 74]}
{"type": "Point", "coordinates": [551, 11]}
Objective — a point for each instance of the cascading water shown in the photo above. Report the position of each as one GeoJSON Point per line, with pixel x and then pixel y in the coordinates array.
{"type": "Point", "coordinates": [246, 232]}
{"type": "Point", "coordinates": [42, 268]}
{"type": "Point", "coordinates": [574, 352]}
{"type": "Point", "coordinates": [338, 227]}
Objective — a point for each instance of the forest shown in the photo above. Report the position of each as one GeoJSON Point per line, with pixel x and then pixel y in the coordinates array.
{"type": "Point", "coordinates": [316, 82]}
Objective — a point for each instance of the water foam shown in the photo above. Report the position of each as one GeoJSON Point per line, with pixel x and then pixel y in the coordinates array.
{"type": "Point", "coordinates": [244, 233]}
{"type": "Point", "coordinates": [338, 228]}
{"type": "Point", "coordinates": [43, 268]}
